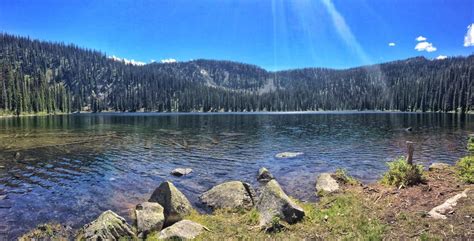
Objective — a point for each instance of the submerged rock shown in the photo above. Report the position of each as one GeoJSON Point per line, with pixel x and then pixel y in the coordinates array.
{"type": "Point", "coordinates": [288, 154]}
{"type": "Point", "coordinates": [108, 226]}
{"type": "Point", "coordinates": [264, 175]}
{"type": "Point", "coordinates": [181, 171]}
{"type": "Point", "coordinates": [438, 166]}
{"type": "Point", "coordinates": [182, 230]}
{"type": "Point", "coordinates": [150, 217]}
{"type": "Point", "coordinates": [229, 195]}
{"type": "Point", "coordinates": [175, 204]}
{"type": "Point", "coordinates": [326, 183]}
{"type": "Point", "coordinates": [439, 212]}
{"type": "Point", "coordinates": [273, 202]}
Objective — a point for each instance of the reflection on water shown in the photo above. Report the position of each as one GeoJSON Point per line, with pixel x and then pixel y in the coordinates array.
{"type": "Point", "coordinates": [68, 169]}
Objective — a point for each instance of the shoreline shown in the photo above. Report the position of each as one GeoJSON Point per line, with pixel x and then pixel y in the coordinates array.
{"type": "Point", "coordinates": [382, 210]}
{"type": "Point", "coordinates": [150, 113]}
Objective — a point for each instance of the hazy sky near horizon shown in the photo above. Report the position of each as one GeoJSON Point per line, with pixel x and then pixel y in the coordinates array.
{"type": "Point", "coordinates": [274, 34]}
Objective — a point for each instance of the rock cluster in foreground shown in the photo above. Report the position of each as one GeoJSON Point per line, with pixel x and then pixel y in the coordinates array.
{"type": "Point", "coordinates": [166, 214]}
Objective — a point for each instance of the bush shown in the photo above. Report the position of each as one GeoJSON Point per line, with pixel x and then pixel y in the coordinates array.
{"type": "Point", "coordinates": [402, 174]}
{"type": "Point", "coordinates": [465, 169]}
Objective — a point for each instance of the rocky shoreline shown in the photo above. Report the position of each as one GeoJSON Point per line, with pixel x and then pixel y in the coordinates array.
{"type": "Point", "coordinates": [165, 214]}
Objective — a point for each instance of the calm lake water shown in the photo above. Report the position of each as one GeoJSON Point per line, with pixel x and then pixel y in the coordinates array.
{"type": "Point", "coordinates": [68, 169]}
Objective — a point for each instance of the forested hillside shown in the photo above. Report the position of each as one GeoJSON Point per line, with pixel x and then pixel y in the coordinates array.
{"type": "Point", "coordinates": [49, 77]}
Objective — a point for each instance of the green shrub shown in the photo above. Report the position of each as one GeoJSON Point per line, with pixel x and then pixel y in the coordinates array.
{"type": "Point", "coordinates": [465, 169]}
{"type": "Point", "coordinates": [342, 176]}
{"type": "Point", "coordinates": [470, 145]}
{"type": "Point", "coordinates": [402, 174]}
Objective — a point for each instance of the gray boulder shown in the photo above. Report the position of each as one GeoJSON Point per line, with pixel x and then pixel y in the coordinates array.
{"type": "Point", "coordinates": [181, 171]}
{"type": "Point", "coordinates": [182, 230]}
{"type": "Point", "coordinates": [273, 202]}
{"type": "Point", "coordinates": [326, 183]}
{"type": "Point", "coordinates": [229, 195]}
{"type": "Point", "coordinates": [264, 175]}
{"type": "Point", "coordinates": [438, 166]}
{"type": "Point", "coordinates": [150, 217]}
{"type": "Point", "coordinates": [175, 204]}
{"type": "Point", "coordinates": [108, 226]}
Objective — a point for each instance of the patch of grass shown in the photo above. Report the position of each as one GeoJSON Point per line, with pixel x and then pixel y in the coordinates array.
{"type": "Point", "coordinates": [50, 231]}
{"type": "Point", "coordinates": [343, 216]}
{"type": "Point", "coordinates": [402, 174]}
{"type": "Point", "coordinates": [465, 169]}
{"type": "Point", "coordinates": [252, 217]}
{"type": "Point", "coordinates": [342, 176]}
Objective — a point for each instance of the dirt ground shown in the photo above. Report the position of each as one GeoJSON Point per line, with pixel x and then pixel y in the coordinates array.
{"type": "Point", "coordinates": [405, 211]}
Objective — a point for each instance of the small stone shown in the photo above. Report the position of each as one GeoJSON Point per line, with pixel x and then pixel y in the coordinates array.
{"type": "Point", "coordinates": [288, 154]}
{"type": "Point", "coordinates": [264, 175]}
{"type": "Point", "coordinates": [182, 230]}
{"type": "Point", "coordinates": [326, 183]}
{"type": "Point", "coordinates": [438, 166]}
{"type": "Point", "coordinates": [181, 171]}
{"type": "Point", "coordinates": [3, 197]}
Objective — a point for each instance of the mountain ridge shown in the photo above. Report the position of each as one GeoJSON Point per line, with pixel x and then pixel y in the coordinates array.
{"type": "Point", "coordinates": [38, 76]}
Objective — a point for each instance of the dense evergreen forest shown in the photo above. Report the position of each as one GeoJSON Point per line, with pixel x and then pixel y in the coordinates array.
{"type": "Point", "coordinates": [45, 77]}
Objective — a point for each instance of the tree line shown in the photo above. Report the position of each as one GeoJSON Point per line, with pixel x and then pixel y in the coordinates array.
{"type": "Point", "coordinates": [47, 77]}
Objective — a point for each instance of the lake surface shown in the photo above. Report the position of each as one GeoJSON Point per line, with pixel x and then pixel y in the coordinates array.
{"type": "Point", "coordinates": [68, 169]}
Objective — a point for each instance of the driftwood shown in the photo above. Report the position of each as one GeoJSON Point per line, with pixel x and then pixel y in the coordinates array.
{"type": "Point", "coordinates": [439, 212]}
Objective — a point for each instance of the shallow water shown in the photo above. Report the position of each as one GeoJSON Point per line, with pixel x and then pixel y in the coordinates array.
{"type": "Point", "coordinates": [68, 169]}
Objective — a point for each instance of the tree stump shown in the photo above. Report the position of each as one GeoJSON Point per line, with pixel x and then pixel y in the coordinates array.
{"type": "Point", "coordinates": [410, 150]}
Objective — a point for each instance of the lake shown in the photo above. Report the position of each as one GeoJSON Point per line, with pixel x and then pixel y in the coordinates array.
{"type": "Point", "coordinates": [70, 168]}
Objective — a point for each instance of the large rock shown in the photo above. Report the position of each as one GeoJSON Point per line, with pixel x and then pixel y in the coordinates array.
{"type": "Point", "coordinates": [108, 226]}
{"type": "Point", "coordinates": [229, 195]}
{"type": "Point", "coordinates": [288, 154]}
{"type": "Point", "coordinates": [182, 230]}
{"type": "Point", "coordinates": [326, 183]}
{"type": "Point", "coordinates": [150, 217]}
{"type": "Point", "coordinates": [438, 166]}
{"type": "Point", "coordinates": [264, 175]}
{"type": "Point", "coordinates": [175, 204]}
{"type": "Point", "coordinates": [273, 202]}
{"type": "Point", "coordinates": [181, 171]}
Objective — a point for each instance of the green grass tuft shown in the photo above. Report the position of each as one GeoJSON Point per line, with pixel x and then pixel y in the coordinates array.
{"type": "Point", "coordinates": [402, 174]}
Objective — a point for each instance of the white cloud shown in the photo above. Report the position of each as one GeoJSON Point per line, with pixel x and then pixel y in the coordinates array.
{"type": "Point", "coordinates": [421, 38]}
{"type": "Point", "coordinates": [168, 61]}
{"type": "Point", "coordinates": [126, 61]}
{"type": "Point", "coordinates": [392, 44]}
{"type": "Point", "coordinates": [469, 38]}
{"type": "Point", "coordinates": [152, 61]}
{"type": "Point", "coordinates": [425, 46]}
{"type": "Point", "coordinates": [441, 57]}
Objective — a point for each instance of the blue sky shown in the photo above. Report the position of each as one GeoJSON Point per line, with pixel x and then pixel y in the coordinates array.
{"type": "Point", "coordinates": [274, 34]}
